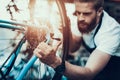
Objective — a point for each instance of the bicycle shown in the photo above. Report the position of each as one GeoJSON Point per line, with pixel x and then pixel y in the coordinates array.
{"type": "Point", "coordinates": [13, 56]}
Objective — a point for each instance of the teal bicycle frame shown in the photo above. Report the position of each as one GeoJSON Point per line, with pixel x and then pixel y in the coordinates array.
{"type": "Point", "coordinates": [11, 59]}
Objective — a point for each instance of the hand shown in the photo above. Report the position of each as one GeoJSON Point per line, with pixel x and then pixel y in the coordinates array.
{"type": "Point", "coordinates": [47, 54]}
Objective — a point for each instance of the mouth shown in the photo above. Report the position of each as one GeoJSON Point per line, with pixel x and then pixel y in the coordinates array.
{"type": "Point", "coordinates": [82, 25]}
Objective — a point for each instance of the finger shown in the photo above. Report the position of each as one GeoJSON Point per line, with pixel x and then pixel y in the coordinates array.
{"type": "Point", "coordinates": [45, 49]}
{"type": "Point", "coordinates": [37, 53]}
{"type": "Point", "coordinates": [56, 45]}
{"type": "Point", "coordinates": [43, 46]}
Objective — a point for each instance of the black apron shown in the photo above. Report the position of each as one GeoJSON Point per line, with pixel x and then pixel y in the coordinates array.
{"type": "Point", "coordinates": [112, 69]}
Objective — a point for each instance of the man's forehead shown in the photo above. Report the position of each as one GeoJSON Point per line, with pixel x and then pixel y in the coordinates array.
{"type": "Point", "coordinates": [84, 6]}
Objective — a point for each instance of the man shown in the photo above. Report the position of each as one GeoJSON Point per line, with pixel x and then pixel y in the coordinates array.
{"type": "Point", "coordinates": [100, 36]}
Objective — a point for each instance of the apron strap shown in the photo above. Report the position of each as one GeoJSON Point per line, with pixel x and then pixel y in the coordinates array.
{"type": "Point", "coordinates": [85, 45]}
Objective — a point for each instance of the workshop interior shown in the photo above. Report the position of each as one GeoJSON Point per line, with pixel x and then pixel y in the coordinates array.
{"type": "Point", "coordinates": [17, 61]}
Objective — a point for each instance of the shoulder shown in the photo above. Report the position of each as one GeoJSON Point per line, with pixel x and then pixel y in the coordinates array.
{"type": "Point", "coordinates": [109, 25]}
{"type": "Point", "coordinates": [108, 37]}
{"type": "Point", "coordinates": [109, 21]}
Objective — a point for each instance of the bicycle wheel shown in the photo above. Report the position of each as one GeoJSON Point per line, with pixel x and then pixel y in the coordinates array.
{"type": "Point", "coordinates": [52, 14]}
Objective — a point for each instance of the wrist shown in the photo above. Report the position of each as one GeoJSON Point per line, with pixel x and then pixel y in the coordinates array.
{"type": "Point", "coordinates": [60, 69]}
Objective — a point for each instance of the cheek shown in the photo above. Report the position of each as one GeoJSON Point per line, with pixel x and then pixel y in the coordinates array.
{"type": "Point", "coordinates": [90, 20]}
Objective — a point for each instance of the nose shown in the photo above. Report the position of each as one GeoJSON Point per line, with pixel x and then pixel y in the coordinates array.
{"type": "Point", "coordinates": [81, 17]}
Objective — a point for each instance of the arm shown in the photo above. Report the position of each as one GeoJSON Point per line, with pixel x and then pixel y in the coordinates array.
{"type": "Point", "coordinates": [75, 42]}
{"type": "Point", "coordinates": [96, 62]}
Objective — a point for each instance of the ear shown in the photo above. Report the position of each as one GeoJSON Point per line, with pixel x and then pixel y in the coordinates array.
{"type": "Point", "coordinates": [99, 11]}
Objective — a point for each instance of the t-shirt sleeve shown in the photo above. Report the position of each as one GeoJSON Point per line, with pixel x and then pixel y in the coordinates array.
{"type": "Point", "coordinates": [109, 41]}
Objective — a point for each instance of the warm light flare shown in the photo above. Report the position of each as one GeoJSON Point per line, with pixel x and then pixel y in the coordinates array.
{"type": "Point", "coordinates": [47, 18]}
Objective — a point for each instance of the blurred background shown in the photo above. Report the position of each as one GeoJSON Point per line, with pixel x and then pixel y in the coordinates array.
{"type": "Point", "coordinates": [24, 11]}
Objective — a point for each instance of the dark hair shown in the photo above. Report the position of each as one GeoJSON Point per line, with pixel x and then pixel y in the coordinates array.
{"type": "Point", "coordinates": [97, 3]}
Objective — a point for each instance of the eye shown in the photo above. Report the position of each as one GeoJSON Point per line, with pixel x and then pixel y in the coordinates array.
{"type": "Point", "coordinates": [76, 13]}
{"type": "Point", "coordinates": [86, 14]}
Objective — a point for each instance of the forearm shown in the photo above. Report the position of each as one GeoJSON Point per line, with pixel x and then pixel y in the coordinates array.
{"type": "Point", "coordinates": [75, 42]}
{"type": "Point", "coordinates": [75, 72]}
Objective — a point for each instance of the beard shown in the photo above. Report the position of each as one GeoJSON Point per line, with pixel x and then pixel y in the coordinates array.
{"type": "Point", "coordinates": [86, 27]}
